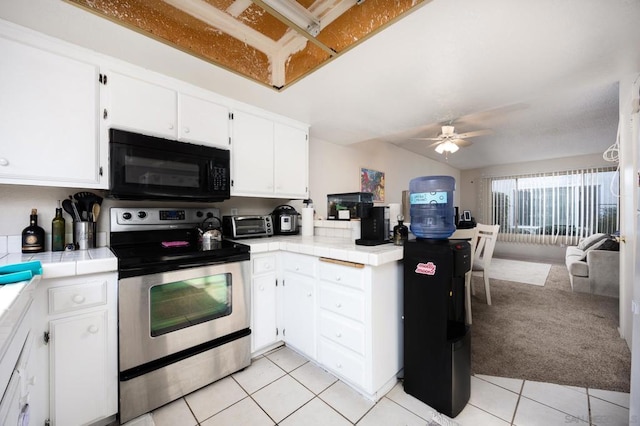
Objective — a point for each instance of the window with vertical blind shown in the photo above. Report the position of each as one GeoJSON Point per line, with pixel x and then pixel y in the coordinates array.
{"type": "Point", "coordinates": [552, 208]}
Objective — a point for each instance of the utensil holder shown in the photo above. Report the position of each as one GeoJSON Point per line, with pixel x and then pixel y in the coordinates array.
{"type": "Point", "coordinates": [84, 235]}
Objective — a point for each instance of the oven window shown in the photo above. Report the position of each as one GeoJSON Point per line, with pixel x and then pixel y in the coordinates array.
{"type": "Point", "coordinates": [185, 303]}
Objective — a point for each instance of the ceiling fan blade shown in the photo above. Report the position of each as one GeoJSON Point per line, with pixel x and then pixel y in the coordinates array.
{"type": "Point", "coordinates": [434, 144]}
{"type": "Point", "coordinates": [428, 139]}
{"type": "Point", "coordinates": [476, 133]}
{"type": "Point", "coordinates": [462, 143]}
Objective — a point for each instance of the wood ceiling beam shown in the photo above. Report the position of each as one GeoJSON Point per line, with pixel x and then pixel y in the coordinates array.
{"type": "Point", "coordinates": [303, 32]}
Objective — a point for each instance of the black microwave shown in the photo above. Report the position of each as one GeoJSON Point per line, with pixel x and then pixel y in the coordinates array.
{"type": "Point", "coordinates": [149, 168]}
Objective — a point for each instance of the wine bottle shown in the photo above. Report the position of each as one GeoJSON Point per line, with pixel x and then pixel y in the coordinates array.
{"type": "Point", "coordinates": [33, 235]}
{"type": "Point", "coordinates": [57, 231]}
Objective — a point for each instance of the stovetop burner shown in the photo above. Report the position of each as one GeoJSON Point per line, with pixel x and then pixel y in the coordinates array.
{"type": "Point", "coordinates": [152, 240]}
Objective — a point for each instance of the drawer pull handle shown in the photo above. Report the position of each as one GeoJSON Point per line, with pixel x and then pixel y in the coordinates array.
{"type": "Point", "coordinates": [338, 334]}
{"type": "Point", "coordinates": [78, 299]}
{"type": "Point", "coordinates": [338, 305]}
{"type": "Point", "coordinates": [93, 329]}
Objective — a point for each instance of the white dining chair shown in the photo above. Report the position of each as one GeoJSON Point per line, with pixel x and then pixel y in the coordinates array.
{"type": "Point", "coordinates": [471, 235]}
{"type": "Point", "coordinates": [487, 235]}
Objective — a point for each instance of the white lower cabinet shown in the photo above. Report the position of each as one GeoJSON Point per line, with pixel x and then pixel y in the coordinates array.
{"type": "Point", "coordinates": [264, 300]}
{"type": "Point", "coordinates": [77, 350]}
{"type": "Point", "coordinates": [342, 315]}
{"type": "Point", "coordinates": [299, 302]}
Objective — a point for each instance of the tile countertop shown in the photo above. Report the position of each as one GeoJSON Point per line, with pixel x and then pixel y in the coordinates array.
{"type": "Point", "coordinates": [68, 263]}
{"type": "Point", "coordinates": [331, 247]}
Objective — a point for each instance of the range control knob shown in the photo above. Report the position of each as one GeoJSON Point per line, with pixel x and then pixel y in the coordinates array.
{"type": "Point", "coordinates": [199, 213]}
{"type": "Point", "coordinates": [142, 214]}
{"type": "Point", "coordinates": [126, 216]}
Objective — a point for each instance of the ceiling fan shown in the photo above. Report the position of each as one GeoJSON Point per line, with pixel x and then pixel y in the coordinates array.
{"type": "Point", "coordinates": [449, 141]}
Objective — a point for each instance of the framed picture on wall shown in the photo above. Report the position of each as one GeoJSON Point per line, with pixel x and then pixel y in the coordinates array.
{"type": "Point", "coordinates": [372, 181]}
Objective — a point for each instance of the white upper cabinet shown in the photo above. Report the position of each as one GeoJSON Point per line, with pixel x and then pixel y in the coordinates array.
{"type": "Point", "coordinates": [49, 110]}
{"type": "Point", "coordinates": [137, 105]}
{"type": "Point", "coordinates": [269, 157]}
{"type": "Point", "coordinates": [143, 106]}
{"type": "Point", "coordinates": [202, 121]}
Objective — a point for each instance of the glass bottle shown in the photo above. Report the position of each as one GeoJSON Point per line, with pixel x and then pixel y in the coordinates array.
{"type": "Point", "coordinates": [33, 235]}
{"type": "Point", "coordinates": [400, 232]}
{"type": "Point", "coordinates": [57, 231]}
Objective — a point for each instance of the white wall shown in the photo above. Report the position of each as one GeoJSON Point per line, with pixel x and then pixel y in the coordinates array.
{"type": "Point", "coordinates": [336, 169]}
{"type": "Point", "coordinates": [470, 190]}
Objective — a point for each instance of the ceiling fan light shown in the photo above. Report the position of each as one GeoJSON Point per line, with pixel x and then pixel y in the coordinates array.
{"type": "Point", "coordinates": [447, 146]}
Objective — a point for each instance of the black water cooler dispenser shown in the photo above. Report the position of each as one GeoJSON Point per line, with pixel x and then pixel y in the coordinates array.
{"type": "Point", "coordinates": [437, 340]}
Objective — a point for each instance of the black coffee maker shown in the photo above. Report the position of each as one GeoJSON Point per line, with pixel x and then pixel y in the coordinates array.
{"type": "Point", "coordinates": [374, 229]}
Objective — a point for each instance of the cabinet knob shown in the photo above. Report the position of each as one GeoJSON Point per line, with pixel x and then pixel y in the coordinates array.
{"type": "Point", "coordinates": [4, 162]}
{"type": "Point", "coordinates": [338, 334]}
{"type": "Point", "coordinates": [78, 298]}
{"type": "Point", "coordinates": [338, 365]}
{"type": "Point", "coordinates": [297, 268]}
{"type": "Point", "coordinates": [93, 329]}
{"type": "Point", "coordinates": [338, 305]}
{"type": "Point", "coordinates": [170, 126]}
{"type": "Point", "coordinates": [186, 130]}
{"type": "Point", "coordinates": [261, 288]}
{"type": "Point", "coordinates": [309, 294]}
{"type": "Point", "coordinates": [338, 278]}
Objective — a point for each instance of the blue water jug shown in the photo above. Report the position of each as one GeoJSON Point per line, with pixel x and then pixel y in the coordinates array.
{"type": "Point", "coordinates": [431, 206]}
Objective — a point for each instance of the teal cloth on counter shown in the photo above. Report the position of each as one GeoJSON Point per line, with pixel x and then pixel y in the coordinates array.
{"type": "Point", "coordinates": [17, 272]}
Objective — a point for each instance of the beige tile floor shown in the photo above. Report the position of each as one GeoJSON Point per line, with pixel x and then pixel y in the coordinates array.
{"type": "Point", "coordinates": [284, 388]}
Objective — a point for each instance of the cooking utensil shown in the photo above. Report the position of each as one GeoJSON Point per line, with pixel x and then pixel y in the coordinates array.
{"type": "Point", "coordinates": [95, 212]}
{"type": "Point", "coordinates": [86, 200]}
{"type": "Point", "coordinates": [70, 207]}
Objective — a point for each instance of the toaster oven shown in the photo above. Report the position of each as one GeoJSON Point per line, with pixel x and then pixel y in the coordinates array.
{"type": "Point", "coordinates": [247, 226]}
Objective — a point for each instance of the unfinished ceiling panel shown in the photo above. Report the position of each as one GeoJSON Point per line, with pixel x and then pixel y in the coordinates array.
{"type": "Point", "coordinates": [363, 20]}
{"type": "Point", "coordinates": [273, 42]}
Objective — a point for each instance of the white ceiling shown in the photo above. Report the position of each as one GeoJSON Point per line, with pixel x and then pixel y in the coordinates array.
{"type": "Point", "coordinates": [542, 75]}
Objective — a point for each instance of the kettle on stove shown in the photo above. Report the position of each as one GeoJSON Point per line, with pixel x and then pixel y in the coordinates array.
{"type": "Point", "coordinates": [210, 234]}
{"type": "Point", "coordinates": [285, 220]}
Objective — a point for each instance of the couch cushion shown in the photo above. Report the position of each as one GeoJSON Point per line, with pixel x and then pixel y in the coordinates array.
{"type": "Point", "coordinates": [578, 268]}
{"type": "Point", "coordinates": [587, 242]}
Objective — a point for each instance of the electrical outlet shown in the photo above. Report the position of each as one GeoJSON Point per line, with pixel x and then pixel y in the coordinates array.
{"type": "Point", "coordinates": [234, 212]}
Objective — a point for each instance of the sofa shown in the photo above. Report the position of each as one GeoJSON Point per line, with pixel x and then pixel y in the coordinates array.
{"type": "Point", "coordinates": [594, 265]}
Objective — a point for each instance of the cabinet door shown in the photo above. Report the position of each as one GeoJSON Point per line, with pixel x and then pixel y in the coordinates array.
{"type": "Point", "coordinates": [299, 313]}
{"type": "Point", "coordinates": [80, 379]}
{"type": "Point", "coordinates": [49, 110]}
{"type": "Point", "coordinates": [252, 155]}
{"type": "Point", "coordinates": [141, 106]}
{"type": "Point", "coordinates": [264, 326]}
{"type": "Point", "coordinates": [202, 121]}
{"type": "Point", "coordinates": [291, 161]}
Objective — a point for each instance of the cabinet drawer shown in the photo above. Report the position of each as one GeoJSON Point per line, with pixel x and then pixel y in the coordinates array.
{"type": "Point", "coordinates": [343, 301]}
{"type": "Point", "coordinates": [300, 264]}
{"type": "Point", "coordinates": [343, 275]}
{"type": "Point", "coordinates": [342, 331]}
{"type": "Point", "coordinates": [341, 362]}
{"type": "Point", "coordinates": [79, 296]}
{"type": "Point", "coordinates": [264, 264]}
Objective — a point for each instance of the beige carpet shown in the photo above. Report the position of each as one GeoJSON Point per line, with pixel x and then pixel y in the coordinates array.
{"type": "Point", "coordinates": [549, 334]}
{"type": "Point", "coordinates": [519, 271]}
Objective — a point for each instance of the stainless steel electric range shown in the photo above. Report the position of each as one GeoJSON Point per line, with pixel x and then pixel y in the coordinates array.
{"type": "Point", "coordinates": [183, 312]}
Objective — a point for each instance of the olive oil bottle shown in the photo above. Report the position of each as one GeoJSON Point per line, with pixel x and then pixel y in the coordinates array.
{"type": "Point", "coordinates": [33, 235]}
{"type": "Point", "coordinates": [57, 230]}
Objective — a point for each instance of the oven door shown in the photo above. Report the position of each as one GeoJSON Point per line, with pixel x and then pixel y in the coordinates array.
{"type": "Point", "coordinates": [167, 313]}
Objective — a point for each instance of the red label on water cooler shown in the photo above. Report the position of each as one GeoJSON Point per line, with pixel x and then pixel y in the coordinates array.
{"type": "Point", "coordinates": [428, 268]}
